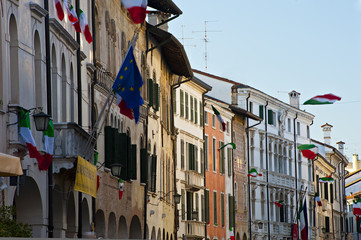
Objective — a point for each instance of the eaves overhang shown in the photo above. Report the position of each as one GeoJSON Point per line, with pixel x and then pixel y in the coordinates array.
{"type": "Point", "coordinates": [166, 6]}
{"type": "Point", "coordinates": [172, 50]}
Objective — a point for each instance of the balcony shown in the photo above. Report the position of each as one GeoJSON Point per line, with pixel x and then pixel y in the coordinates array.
{"type": "Point", "coordinates": [193, 180]}
{"type": "Point", "coordinates": [194, 230]}
{"type": "Point", "coordinates": [281, 180]}
{"type": "Point", "coordinates": [70, 141]}
{"type": "Point", "coordinates": [104, 79]}
{"type": "Point", "coordinates": [281, 228]}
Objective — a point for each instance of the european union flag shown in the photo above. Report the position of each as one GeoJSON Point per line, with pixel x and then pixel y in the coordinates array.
{"type": "Point", "coordinates": [128, 84]}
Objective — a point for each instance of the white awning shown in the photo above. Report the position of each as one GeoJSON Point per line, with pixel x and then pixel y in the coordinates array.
{"type": "Point", "coordinates": [10, 165]}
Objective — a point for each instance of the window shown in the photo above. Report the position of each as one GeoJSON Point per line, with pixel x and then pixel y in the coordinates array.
{"type": "Point", "coordinates": [182, 154]}
{"type": "Point", "coordinates": [229, 158]}
{"type": "Point", "coordinates": [206, 150]}
{"type": "Point", "coordinates": [227, 127]}
{"type": "Point", "coordinates": [192, 108]}
{"type": "Point", "coordinates": [260, 111]}
{"type": "Point", "coordinates": [327, 224]}
{"type": "Point", "coordinates": [195, 111]}
{"type": "Point", "coordinates": [187, 106]}
{"type": "Point", "coordinates": [202, 209]}
{"type": "Point", "coordinates": [214, 155]}
{"type": "Point", "coordinates": [205, 118]}
{"type": "Point", "coordinates": [183, 204]}
{"type": "Point", "coordinates": [213, 121]}
{"type": "Point", "coordinates": [189, 205]}
{"type": "Point", "coordinates": [197, 206]}
{"type": "Point", "coordinates": [196, 158]}
{"type": "Point", "coordinates": [221, 158]}
{"type": "Point", "coordinates": [331, 192]}
{"type": "Point", "coordinates": [289, 124]}
{"type": "Point", "coordinates": [270, 117]}
{"type": "Point", "coordinates": [202, 160]}
{"type": "Point", "coordinates": [207, 206]}
{"type": "Point", "coordinates": [222, 209]}
{"type": "Point", "coordinates": [191, 157]}
{"type": "Point", "coordinates": [298, 129]}
{"type": "Point", "coordinates": [200, 114]}
{"type": "Point", "coordinates": [251, 107]}
{"type": "Point", "coordinates": [308, 131]}
{"type": "Point", "coordinates": [181, 103]}
{"type": "Point", "coordinates": [325, 187]}
{"type": "Point", "coordinates": [215, 222]}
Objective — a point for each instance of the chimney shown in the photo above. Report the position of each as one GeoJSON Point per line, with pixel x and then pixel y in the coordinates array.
{"type": "Point", "coordinates": [340, 146]}
{"type": "Point", "coordinates": [355, 162]}
{"type": "Point", "coordinates": [327, 133]}
{"type": "Point", "coordinates": [234, 95]}
{"type": "Point", "coordinates": [155, 18]}
{"type": "Point", "coordinates": [294, 99]}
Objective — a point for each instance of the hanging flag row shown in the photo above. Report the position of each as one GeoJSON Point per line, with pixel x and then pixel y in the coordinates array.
{"type": "Point", "coordinates": [80, 23]}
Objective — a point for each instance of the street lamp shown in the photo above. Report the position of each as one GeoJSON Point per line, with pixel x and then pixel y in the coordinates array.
{"type": "Point", "coordinates": [116, 169]}
{"type": "Point", "coordinates": [177, 198]}
{"type": "Point", "coordinates": [260, 225]}
{"type": "Point", "coordinates": [41, 121]}
{"type": "Point", "coordinates": [194, 215]}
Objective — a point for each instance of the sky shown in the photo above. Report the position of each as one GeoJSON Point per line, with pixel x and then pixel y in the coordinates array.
{"type": "Point", "coordinates": [276, 46]}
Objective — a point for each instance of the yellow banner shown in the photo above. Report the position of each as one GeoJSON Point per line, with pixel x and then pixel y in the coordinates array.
{"type": "Point", "coordinates": [86, 177]}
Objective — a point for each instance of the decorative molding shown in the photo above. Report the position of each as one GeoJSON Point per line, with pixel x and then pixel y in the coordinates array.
{"type": "Point", "coordinates": [83, 56]}
{"type": "Point", "coordinates": [37, 11]}
{"type": "Point", "coordinates": [58, 30]}
{"type": "Point", "coordinates": [59, 164]}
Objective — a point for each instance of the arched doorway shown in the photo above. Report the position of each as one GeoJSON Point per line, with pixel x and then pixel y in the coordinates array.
{"type": "Point", "coordinates": [135, 230]}
{"type": "Point", "coordinates": [70, 217]}
{"type": "Point", "coordinates": [14, 61]}
{"type": "Point", "coordinates": [159, 236]}
{"type": "Point", "coordinates": [100, 224]}
{"type": "Point", "coordinates": [153, 237]}
{"type": "Point", "coordinates": [85, 217]}
{"type": "Point", "coordinates": [112, 226]}
{"type": "Point", "coordinates": [29, 208]}
{"type": "Point", "coordinates": [122, 228]}
{"type": "Point", "coordinates": [244, 236]}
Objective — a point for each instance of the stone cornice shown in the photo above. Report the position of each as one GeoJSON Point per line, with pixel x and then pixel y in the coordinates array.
{"type": "Point", "coordinates": [58, 30]}
{"type": "Point", "coordinates": [37, 10]}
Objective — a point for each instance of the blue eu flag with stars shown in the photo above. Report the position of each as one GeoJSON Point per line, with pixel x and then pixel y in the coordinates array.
{"type": "Point", "coordinates": [128, 84]}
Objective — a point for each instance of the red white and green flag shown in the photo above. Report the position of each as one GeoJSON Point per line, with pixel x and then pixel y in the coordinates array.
{"type": "Point", "coordinates": [322, 99]}
{"type": "Point", "coordinates": [137, 9]}
{"type": "Point", "coordinates": [302, 217]}
{"type": "Point", "coordinates": [309, 151]}
{"type": "Point", "coordinates": [84, 26]}
{"type": "Point", "coordinates": [228, 144]}
{"type": "Point", "coordinates": [253, 173]}
{"type": "Point", "coordinates": [49, 146]}
{"type": "Point", "coordinates": [121, 188]}
{"type": "Point", "coordinates": [357, 207]}
{"type": "Point", "coordinates": [219, 117]}
{"type": "Point", "coordinates": [318, 199]}
{"type": "Point", "coordinates": [327, 179]}
{"type": "Point", "coordinates": [27, 137]}
{"type": "Point", "coordinates": [59, 9]}
{"type": "Point", "coordinates": [231, 233]}
{"type": "Point", "coordinates": [279, 203]}
{"type": "Point", "coordinates": [73, 17]}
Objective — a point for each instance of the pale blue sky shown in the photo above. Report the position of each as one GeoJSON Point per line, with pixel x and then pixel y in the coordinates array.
{"type": "Point", "coordinates": [276, 46]}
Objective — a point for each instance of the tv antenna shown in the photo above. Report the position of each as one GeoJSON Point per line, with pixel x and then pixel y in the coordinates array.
{"type": "Point", "coordinates": [183, 38]}
{"type": "Point", "coordinates": [205, 39]}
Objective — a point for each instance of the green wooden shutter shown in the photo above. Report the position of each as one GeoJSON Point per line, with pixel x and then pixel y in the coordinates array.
{"type": "Point", "coordinates": [190, 156]}
{"type": "Point", "coordinates": [207, 206]}
{"type": "Point", "coordinates": [154, 173]}
{"type": "Point", "coordinates": [215, 220]}
{"type": "Point", "coordinates": [122, 145]}
{"type": "Point", "coordinates": [132, 162]}
{"type": "Point", "coordinates": [189, 205]}
{"type": "Point", "coordinates": [202, 160]}
{"type": "Point", "coordinates": [195, 111]}
{"type": "Point", "coordinates": [200, 114]}
{"type": "Point", "coordinates": [187, 106]}
{"type": "Point", "coordinates": [143, 165]}
{"type": "Point", "coordinates": [261, 111]}
{"type": "Point", "coordinates": [156, 97]}
{"type": "Point", "coordinates": [195, 158]}
{"type": "Point", "coordinates": [109, 146]}
{"type": "Point", "coordinates": [192, 108]}
{"type": "Point", "coordinates": [183, 205]}
{"type": "Point", "coordinates": [197, 206]}
{"type": "Point", "coordinates": [150, 91]}
{"type": "Point", "coordinates": [222, 209]}
{"type": "Point", "coordinates": [229, 159]}
{"type": "Point", "coordinates": [202, 209]}
{"type": "Point", "coordinates": [231, 210]}
{"type": "Point", "coordinates": [270, 117]}
{"type": "Point", "coordinates": [182, 154]}
{"type": "Point", "coordinates": [181, 103]}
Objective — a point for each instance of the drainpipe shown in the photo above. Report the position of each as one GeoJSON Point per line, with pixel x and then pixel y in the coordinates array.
{"type": "Point", "coordinates": [266, 142]}
{"type": "Point", "coordinates": [92, 93]}
{"type": "Point", "coordinates": [146, 183]}
{"type": "Point", "coordinates": [233, 177]}
{"type": "Point", "coordinates": [295, 155]}
{"type": "Point", "coordinates": [249, 179]}
{"type": "Point", "coordinates": [48, 99]}
{"type": "Point", "coordinates": [78, 66]}
{"type": "Point", "coordinates": [204, 165]}
{"type": "Point", "coordinates": [333, 224]}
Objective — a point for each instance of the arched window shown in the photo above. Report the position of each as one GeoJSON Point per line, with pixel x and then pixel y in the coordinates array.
{"type": "Point", "coordinates": [14, 61]}
{"type": "Point", "coordinates": [72, 95]}
{"type": "Point", "coordinates": [64, 99]}
{"type": "Point", "coordinates": [39, 89]}
{"type": "Point", "coordinates": [54, 85]}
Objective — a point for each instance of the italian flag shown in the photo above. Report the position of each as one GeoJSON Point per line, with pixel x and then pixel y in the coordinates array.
{"type": "Point", "coordinates": [357, 208]}
{"type": "Point", "coordinates": [73, 17]}
{"type": "Point", "coordinates": [231, 233]}
{"type": "Point", "coordinates": [137, 9]}
{"type": "Point", "coordinates": [49, 146]}
{"type": "Point", "coordinates": [318, 199]}
{"type": "Point", "coordinates": [327, 179]}
{"type": "Point", "coordinates": [309, 151]}
{"type": "Point", "coordinates": [279, 203]}
{"type": "Point", "coordinates": [225, 145]}
{"type": "Point", "coordinates": [121, 188]}
{"type": "Point", "coordinates": [59, 10]}
{"type": "Point", "coordinates": [322, 99]}
{"type": "Point", "coordinates": [302, 217]}
{"type": "Point", "coordinates": [123, 107]}
{"type": "Point", "coordinates": [27, 137]}
{"type": "Point", "coordinates": [219, 117]}
{"type": "Point", "coordinates": [84, 26]}
{"type": "Point", "coordinates": [253, 173]}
